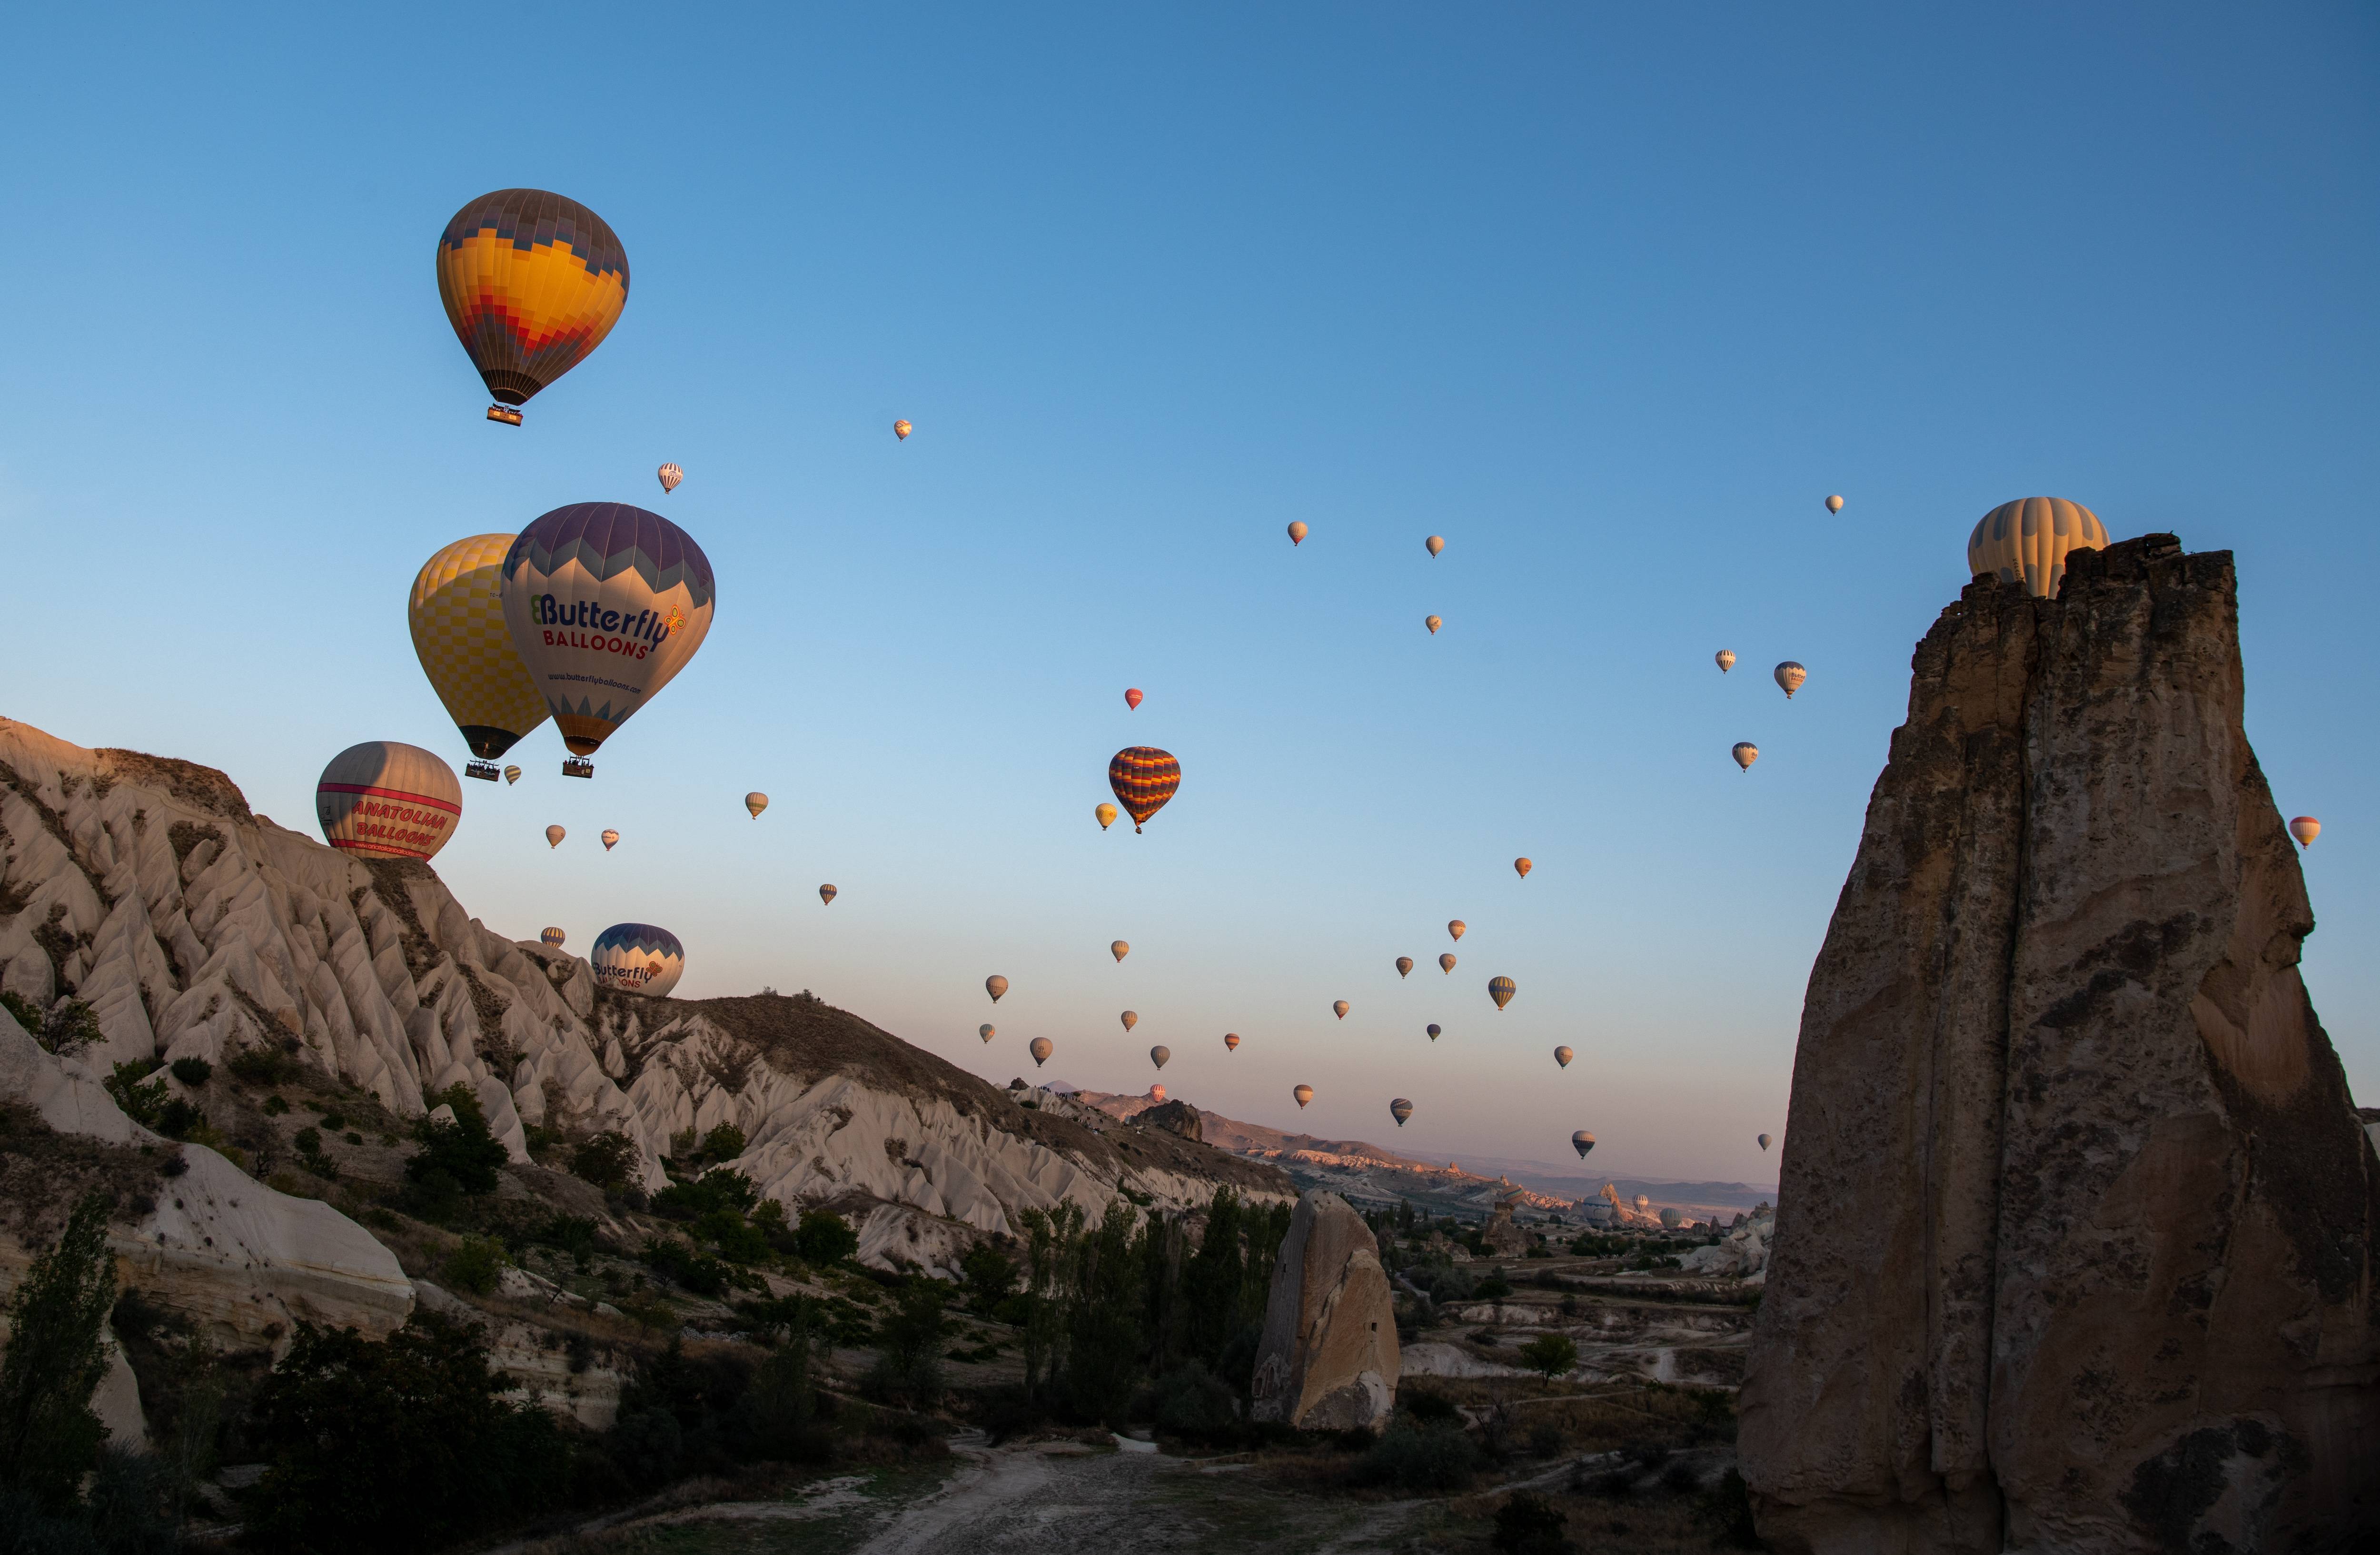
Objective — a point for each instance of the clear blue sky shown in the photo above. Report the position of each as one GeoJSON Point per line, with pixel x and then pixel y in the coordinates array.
{"type": "Point", "coordinates": [1609, 298]}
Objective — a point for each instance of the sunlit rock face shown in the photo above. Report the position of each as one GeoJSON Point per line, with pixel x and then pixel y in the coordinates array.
{"type": "Point", "coordinates": [2074, 1245]}
{"type": "Point", "coordinates": [1328, 1360]}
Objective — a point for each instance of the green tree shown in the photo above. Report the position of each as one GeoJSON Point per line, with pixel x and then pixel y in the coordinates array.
{"type": "Point", "coordinates": [464, 1150]}
{"type": "Point", "coordinates": [1211, 1282]}
{"type": "Point", "coordinates": [608, 1161]}
{"type": "Point", "coordinates": [909, 1345]}
{"type": "Point", "coordinates": [1103, 1323]}
{"type": "Point", "coordinates": [1549, 1356]}
{"type": "Point", "coordinates": [49, 1436]}
{"type": "Point", "coordinates": [989, 1274]}
{"type": "Point", "coordinates": [824, 1238]}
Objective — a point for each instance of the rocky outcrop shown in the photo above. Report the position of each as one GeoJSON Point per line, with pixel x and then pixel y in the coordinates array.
{"type": "Point", "coordinates": [1741, 1254]}
{"type": "Point", "coordinates": [1328, 1360]}
{"type": "Point", "coordinates": [1173, 1117]}
{"type": "Point", "coordinates": [2075, 1237]}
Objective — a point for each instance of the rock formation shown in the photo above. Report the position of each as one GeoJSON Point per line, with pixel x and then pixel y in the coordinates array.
{"type": "Point", "coordinates": [1328, 1360]}
{"type": "Point", "coordinates": [1174, 1117]}
{"type": "Point", "coordinates": [2076, 1228]}
{"type": "Point", "coordinates": [1741, 1254]}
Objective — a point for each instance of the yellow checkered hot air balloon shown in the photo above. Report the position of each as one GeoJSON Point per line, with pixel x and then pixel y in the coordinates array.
{"type": "Point", "coordinates": [533, 282]}
{"type": "Point", "coordinates": [456, 611]}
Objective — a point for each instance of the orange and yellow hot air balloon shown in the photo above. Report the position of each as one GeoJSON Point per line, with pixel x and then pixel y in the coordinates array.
{"type": "Point", "coordinates": [1230, 1041]}
{"type": "Point", "coordinates": [1144, 778]}
{"type": "Point", "coordinates": [456, 614]}
{"type": "Point", "coordinates": [901, 430]}
{"type": "Point", "coordinates": [533, 282]}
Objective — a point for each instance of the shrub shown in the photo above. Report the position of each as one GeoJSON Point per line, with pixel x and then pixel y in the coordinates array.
{"type": "Point", "coordinates": [1549, 1356]}
{"type": "Point", "coordinates": [261, 1066]}
{"type": "Point", "coordinates": [723, 1143]}
{"type": "Point", "coordinates": [989, 1274]}
{"type": "Point", "coordinates": [48, 1433]}
{"type": "Point", "coordinates": [1494, 1288]}
{"type": "Point", "coordinates": [463, 1149]}
{"type": "Point", "coordinates": [141, 1102]}
{"type": "Point", "coordinates": [193, 1072]}
{"type": "Point", "coordinates": [475, 1264]}
{"type": "Point", "coordinates": [608, 1161]}
{"type": "Point", "coordinates": [722, 1187]}
{"type": "Point", "coordinates": [738, 1242]}
{"type": "Point", "coordinates": [1538, 1251]}
{"type": "Point", "coordinates": [1415, 1457]}
{"type": "Point", "coordinates": [702, 1275]}
{"type": "Point", "coordinates": [308, 1144]}
{"type": "Point", "coordinates": [62, 1030]}
{"type": "Point", "coordinates": [909, 1344]}
{"type": "Point", "coordinates": [275, 1105]}
{"type": "Point", "coordinates": [1528, 1524]}
{"type": "Point", "coordinates": [1193, 1402]}
{"type": "Point", "coordinates": [573, 1234]}
{"type": "Point", "coordinates": [334, 1121]}
{"type": "Point", "coordinates": [824, 1238]}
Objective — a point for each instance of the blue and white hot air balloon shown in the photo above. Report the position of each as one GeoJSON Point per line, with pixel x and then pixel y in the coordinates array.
{"type": "Point", "coordinates": [638, 958]}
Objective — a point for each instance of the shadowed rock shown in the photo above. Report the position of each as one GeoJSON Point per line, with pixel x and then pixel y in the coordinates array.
{"type": "Point", "coordinates": [1328, 1360]}
{"type": "Point", "coordinates": [2075, 1234]}
{"type": "Point", "coordinates": [1173, 1117]}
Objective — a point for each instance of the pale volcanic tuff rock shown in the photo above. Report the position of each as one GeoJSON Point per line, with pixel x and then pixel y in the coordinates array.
{"type": "Point", "coordinates": [1328, 1360]}
{"type": "Point", "coordinates": [2076, 1227]}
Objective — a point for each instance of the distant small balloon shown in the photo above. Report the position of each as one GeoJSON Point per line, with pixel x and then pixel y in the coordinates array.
{"type": "Point", "coordinates": [1400, 1110]}
{"type": "Point", "coordinates": [826, 893]}
{"type": "Point", "coordinates": [902, 429]}
{"type": "Point", "coordinates": [611, 839]}
{"type": "Point", "coordinates": [1129, 1019]}
{"type": "Point", "coordinates": [553, 835]}
{"type": "Point", "coordinates": [553, 937]}
{"type": "Point", "coordinates": [512, 774]}
{"type": "Point", "coordinates": [1297, 532]}
{"type": "Point", "coordinates": [1581, 1142]}
{"type": "Point", "coordinates": [1404, 965]}
{"type": "Point", "coordinates": [1522, 867]}
{"type": "Point", "coordinates": [1746, 753]}
{"type": "Point", "coordinates": [1132, 698]}
{"type": "Point", "coordinates": [1790, 676]}
{"type": "Point", "coordinates": [1725, 659]}
{"type": "Point", "coordinates": [1502, 991]}
{"type": "Point", "coordinates": [1303, 1094]}
{"type": "Point", "coordinates": [1562, 1056]}
{"type": "Point", "coordinates": [670, 477]}
{"type": "Point", "coordinates": [995, 985]}
{"type": "Point", "coordinates": [1433, 623]}
{"type": "Point", "coordinates": [1159, 1055]}
{"type": "Point", "coordinates": [1834, 504]}
{"type": "Point", "coordinates": [1157, 1094]}
{"type": "Point", "coordinates": [1339, 1009]}
{"type": "Point", "coordinates": [986, 1032]}
{"type": "Point", "coordinates": [1433, 1032]}
{"type": "Point", "coordinates": [1106, 814]}
{"type": "Point", "coordinates": [2305, 829]}
{"type": "Point", "coordinates": [1763, 1141]}
{"type": "Point", "coordinates": [756, 802]}
{"type": "Point", "coordinates": [1435, 543]}
{"type": "Point", "coordinates": [1230, 1041]}
{"type": "Point", "coordinates": [1119, 950]}
{"type": "Point", "coordinates": [1456, 927]}
{"type": "Point", "coordinates": [1040, 1048]}
{"type": "Point", "coordinates": [1446, 962]}
{"type": "Point", "coordinates": [1642, 1200]}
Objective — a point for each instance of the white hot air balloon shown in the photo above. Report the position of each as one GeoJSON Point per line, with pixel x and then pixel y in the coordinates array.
{"type": "Point", "coordinates": [1724, 659]}
{"type": "Point", "coordinates": [1746, 754]}
{"type": "Point", "coordinates": [2027, 541]}
{"type": "Point", "coordinates": [381, 799]}
{"type": "Point", "coordinates": [670, 476]}
{"type": "Point", "coordinates": [1789, 676]}
{"type": "Point", "coordinates": [638, 958]}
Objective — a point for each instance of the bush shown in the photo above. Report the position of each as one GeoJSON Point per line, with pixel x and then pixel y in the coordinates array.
{"type": "Point", "coordinates": [722, 1187]}
{"type": "Point", "coordinates": [1193, 1402]}
{"type": "Point", "coordinates": [824, 1238]}
{"type": "Point", "coordinates": [1494, 1288]}
{"type": "Point", "coordinates": [193, 1072]}
{"type": "Point", "coordinates": [307, 1143]}
{"type": "Point", "coordinates": [723, 1143]}
{"type": "Point", "coordinates": [1528, 1524]}
{"type": "Point", "coordinates": [989, 1274]}
{"type": "Point", "coordinates": [62, 1030]}
{"type": "Point", "coordinates": [909, 1344]}
{"type": "Point", "coordinates": [608, 1161]}
{"type": "Point", "coordinates": [261, 1066]}
{"type": "Point", "coordinates": [463, 1149]}
{"type": "Point", "coordinates": [1415, 1457]}
{"type": "Point", "coordinates": [702, 1275]}
{"type": "Point", "coordinates": [573, 1234]}
{"type": "Point", "coordinates": [1549, 1356]}
{"type": "Point", "coordinates": [141, 1102]}
{"type": "Point", "coordinates": [475, 1264]}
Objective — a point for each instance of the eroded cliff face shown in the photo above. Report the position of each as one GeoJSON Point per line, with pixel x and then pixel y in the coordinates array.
{"type": "Point", "coordinates": [2076, 1232]}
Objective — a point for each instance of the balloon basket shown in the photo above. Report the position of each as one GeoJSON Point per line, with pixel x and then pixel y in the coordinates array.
{"type": "Point", "coordinates": [578, 766]}
{"type": "Point", "coordinates": [487, 770]}
{"type": "Point", "coordinates": [506, 414]}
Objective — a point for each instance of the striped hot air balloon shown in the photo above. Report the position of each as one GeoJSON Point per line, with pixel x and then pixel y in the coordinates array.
{"type": "Point", "coordinates": [385, 800]}
{"type": "Point", "coordinates": [553, 937]}
{"type": "Point", "coordinates": [1502, 991]}
{"type": "Point", "coordinates": [1400, 1110]}
{"type": "Point", "coordinates": [1581, 1142]}
{"type": "Point", "coordinates": [671, 476]}
{"type": "Point", "coordinates": [1130, 1018]}
{"type": "Point", "coordinates": [638, 958]}
{"type": "Point", "coordinates": [1303, 1094]}
{"type": "Point", "coordinates": [456, 615]}
{"type": "Point", "coordinates": [1746, 754]}
{"type": "Point", "coordinates": [2305, 829]}
{"type": "Point", "coordinates": [1725, 659]}
{"type": "Point", "coordinates": [1404, 965]}
{"type": "Point", "coordinates": [533, 282]}
{"type": "Point", "coordinates": [611, 839]}
{"type": "Point", "coordinates": [512, 775]}
{"type": "Point", "coordinates": [1144, 778]}
{"type": "Point", "coordinates": [2027, 542]}
{"type": "Point", "coordinates": [756, 802]}
{"type": "Point", "coordinates": [827, 894]}
{"type": "Point", "coordinates": [1230, 1041]}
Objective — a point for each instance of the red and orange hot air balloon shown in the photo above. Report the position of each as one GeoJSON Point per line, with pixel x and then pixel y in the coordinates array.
{"type": "Point", "coordinates": [1144, 778]}
{"type": "Point", "coordinates": [1132, 696]}
{"type": "Point", "coordinates": [533, 282]}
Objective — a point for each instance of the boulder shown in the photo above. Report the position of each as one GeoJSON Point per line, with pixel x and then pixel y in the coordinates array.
{"type": "Point", "coordinates": [1328, 1360]}
{"type": "Point", "coordinates": [2074, 1238]}
{"type": "Point", "coordinates": [1174, 1117]}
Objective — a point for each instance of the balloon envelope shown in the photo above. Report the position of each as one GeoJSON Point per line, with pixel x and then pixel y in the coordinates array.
{"type": "Point", "coordinates": [553, 835]}
{"type": "Point", "coordinates": [456, 614]}
{"type": "Point", "coordinates": [1159, 1055]}
{"type": "Point", "coordinates": [1746, 754]}
{"type": "Point", "coordinates": [1502, 991]}
{"type": "Point", "coordinates": [1144, 778]}
{"type": "Point", "coordinates": [1581, 1142]}
{"type": "Point", "coordinates": [756, 802]}
{"type": "Point", "coordinates": [2305, 829]}
{"type": "Point", "coordinates": [512, 775]}
{"type": "Point", "coordinates": [1230, 1041]}
{"type": "Point", "coordinates": [611, 840]}
{"type": "Point", "coordinates": [638, 958]}
{"type": "Point", "coordinates": [1106, 814]}
{"type": "Point", "coordinates": [1400, 1110]}
{"type": "Point", "coordinates": [986, 1031]}
{"type": "Point", "coordinates": [606, 603]}
{"type": "Point", "coordinates": [386, 800]}
{"type": "Point", "coordinates": [1562, 1056]}
{"type": "Point", "coordinates": [1132, 698]}
{"type": "Point", "coordinates": [1790, 675]}
{"type": "Point", "coordinates": [1834, 504]}
{"type": "Point", "coordinates": [551, 937]}
{"type": "Point", "coordinates": [1456, 928]}
{"type": "Point", "coordinates": [1157, 1094]}
{"type": "Point", "coordinates": [1725, 660]}
{"type": "Point", "coordinates": [1303, 1094]}
{"type": "Point", "coordinates": [533, 282]}
{"type": "Point", "coordinates": [1297, 532]}
{"type": "Point", "coordinates": [902, 429]}
{"type": "Point", "coordinates": [1404, 965]}
{"type": "Point", "coordinates": [1446, 962]}
{"type": "Point", "coordinates": [827, 894]}
{"type": "Point", "coordinates": [1041, 1049]}
{"type": "Point", "coordinates": [1120, 950]}
{"type": "Point", "coordinates": [1433, 1032]}
{"type": "Point", "coordinates": [2027, 541]}
{"type": "Point", "coordinates": [1435, 543]}
{"type": "Point", "coordinates": [1130, 1018]}
{"type": "Point", "coordinates": [995, 985]}
{"type": "Point", "coordinates": [1763, 1141]}
{"type": "Point", "coordinates": [1339, 1009]}
{"type": "Point", "coordinates": [670, 476]}
{"type": "Point", "coordinates": [1522, 867]}
{"type": "Point", "coordinates": [1433, 623]}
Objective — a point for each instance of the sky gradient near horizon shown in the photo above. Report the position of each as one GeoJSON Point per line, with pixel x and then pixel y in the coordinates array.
{"type": "Point", "coordinates": [1610, 299]}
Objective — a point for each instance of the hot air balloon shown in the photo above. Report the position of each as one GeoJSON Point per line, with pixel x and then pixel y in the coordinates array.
{"type": "Point", "coordinates": [611, 840]}
{"type": "Point", "coordinates": [1157, 1095]}
{"type": "Point", "coordinates": [1456, 927]}
{"type": "Point", "coordinates": [553, 835]}
{"type": "Point", "coordinates": [553, 937]}
{"type": "Point", "coordinates": [670, 477]}
{"type": "Point", "coordinates": [1562, 1057]}
{"type": "Point", "coordinates": [986, 1031]}
{"type": "Point", "coordinates": [1446, 962]}
{"type": "Point", "coordinates": [901, 431]}
{"type": "Point", "coordinates": [1230, 1041]}
{"type": "Point", "coordinates": [1642, 1200]}
{"type": "Point", "coordinates": [1834, 504]}
{"type": "Point", "coordinates": [1790, 676]}
{"type": "Point", "coordinates": [1502, 991]}
{"type": "Point", "coordinates": [1435, 543]}
{"type": "Point", "coordinates": [756, 802]}
{"type": "Point", "coordinates": [606, 602]}
{"type": "Point", "coordinates": [995, 985]}
{"type": "Point", "coordinates": [2305, 829]}
{"type": "Point", "coordinates": [1433, 623]}
{"type": "Point", "coordinates": [1120, 950]}
{"type": "Point", "coordinates": [1157, 1055]}
{"type": "Point", "coordinates": [1746, 754]}
{"type": "Point", "coordinates": [2027, 541]}
{"type": "Point", "coordinates": [826, 893]}
{"type": "Point", "coordinates": [1144, 778]}
{"type": "Point", "coordinates": [1763, 1141]}
{"type": "Point", "coordinates": [1297, 532]}
{"type": "Point", "coordinates": [1404, 965]}
{"type": "Point", "coordinates": [456, 614]}
{"type": "Point", "coordinates": [512, 775]}
{"type": "Point", "coordinates": [1303, 1094]}
{"type": "Point", "coordinates": [386, 800]}
{"type": "Point", "coordinates": [1725, 659]}
{"type": "Point", "coordinates": [1130, 1018]}
{"type": "Point", "coordinates": [1400, 1110]}
{"type": "Point", "coordinates": [1339, 1009]}
{"type": "Point", "coordinates": [638, 958]}
{"type": "Point", "coordinates": [1041, 1049]}
{"type": "Point", "coordinates": [1105, 814]}
{"type": "Point", "coordinates": [1522, 867]}
{"type": "Point", "coordinates": [533, 282]}
{"type": "Point", "coordinates": [1433, 1032]}
{"type": "Point", "coordinates": [1581, 1142]}
{"type": "Point", "coordinates": [1132, 698]}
